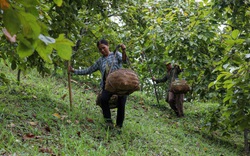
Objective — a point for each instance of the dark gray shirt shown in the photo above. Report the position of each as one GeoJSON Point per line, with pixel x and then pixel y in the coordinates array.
{"type": "Point", "coordinates": [170, 76]}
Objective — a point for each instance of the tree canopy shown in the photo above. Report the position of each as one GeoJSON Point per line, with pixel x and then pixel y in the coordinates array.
{"type": "Point", "coordinates": [209, 39]}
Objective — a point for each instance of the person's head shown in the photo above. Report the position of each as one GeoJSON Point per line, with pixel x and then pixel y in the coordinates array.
{"type": "Point", "coordinates": [103, 47]}
{"type": "Point", "coordinates": [168, 65]}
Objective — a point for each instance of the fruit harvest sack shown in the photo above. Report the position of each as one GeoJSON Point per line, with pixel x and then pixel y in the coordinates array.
{"type": "Point", "coordinates": [179, 86]}
{"type": "Point", "coordinates": [112, 101]}
{"type": "Point", "coordinates": [122, 82]}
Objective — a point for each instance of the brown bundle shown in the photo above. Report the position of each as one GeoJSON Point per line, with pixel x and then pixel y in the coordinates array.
{"type": "Point", "coordinates": [122, 82]}
{"type": "Point", "coordinates": [179, 87]}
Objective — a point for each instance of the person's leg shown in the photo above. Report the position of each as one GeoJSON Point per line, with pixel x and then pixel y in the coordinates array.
{"type": "Point", "coordinates": [181, 104]}
{"type": "Point", "coordinates": [121, 110]}
{"type": "Point", "coordinates": [178, 104]}
{"type": "Point", "coordinates": [171, 101]}
{"type": "Point", "coordinates": [105, 106]}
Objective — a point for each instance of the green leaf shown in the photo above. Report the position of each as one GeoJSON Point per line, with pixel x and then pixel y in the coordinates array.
{"type": "Point", "coordinates": [64, 40]}
{"type": "Point", "coordinates": [11, 21]}
{"type": "Point", "coordinates": [63, 47]}
{"type": "Point", "coordinates": [31, 28]}
{"type": "Point", "coordinates": [58, 2]}
{"type": "Point", "coordinates": [24, 41]}
{"type": "Point", "coordinates": [64, 51]}
{"type": "Point", "coordinates": [44, 51]}
{"type": "Point", "coordinates": [220, 76]}
{"type": "Point", "coordinates": [229, 74]}
{"type": "Point", "coordinates": [227, 98]}
{"type": "Point", "coordinates": [227, 113]}
{"type": "Point", "coordinates": [211, 84]}
{"type": "Point", "coordinates": [159, 20]}
{"type": "Point", "coordinates": [239, 41]}
{"type": "Point", "coordinates": [4, 79]}
{"type": "Point", "coordinates": [230, 42]}
{"type": "Point", "coordinates": [228, 84]}
{"type": "Point", "coordinates": [33, 10]}
{"type": "Point", "coordinates": [28, 3]}
{"type": "Point", "coordinates": [247, 13]}
{"type": "Point", "coordinates": [237, 58]}
{"type": "Point", "coordinates": [239, 115]}
{"type": "Point", "coordinates": [235, 34]}
{"type": "Point", "coordinates": [24, 51]}
{"type": "Point", "coordinates": [26, 47]}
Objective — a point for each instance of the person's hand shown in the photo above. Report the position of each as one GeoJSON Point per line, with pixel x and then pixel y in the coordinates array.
{"type": "Point", "coordinates": [12, 39]}
{"type": "Point", "coordinates": [71, 69]}
{"type": "Point", "coordinates": [123, 47]}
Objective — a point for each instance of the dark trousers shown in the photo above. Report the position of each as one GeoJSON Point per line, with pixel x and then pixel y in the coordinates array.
{"type": "Point", "coordinates": [176, 103]}
{"type": "Point", "coordinates": [120, 107]}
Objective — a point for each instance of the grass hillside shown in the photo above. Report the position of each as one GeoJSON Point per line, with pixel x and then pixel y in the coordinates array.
{"type": "Point", "coordinates": [36, 119]}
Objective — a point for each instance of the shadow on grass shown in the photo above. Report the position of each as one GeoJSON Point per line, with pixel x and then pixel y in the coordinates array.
{"type": "Point", "coordinates": [214, 139]}
{"type": "Point", "coordinates": [194, 127]}
{"type": "Point", "coordinates": [161, 107]}
{"type": "Point", "coordinates": [194, 119]}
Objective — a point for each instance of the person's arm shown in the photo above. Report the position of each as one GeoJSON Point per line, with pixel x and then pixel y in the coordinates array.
{"type": "Point", "coordinates": [85, 71]}
{"type": "Point", "coordinates": [71, 69]}
{"type": "Point", "coordinates": [124, 55]}
{"type": "Point", "coordinates": [178, 70]}
{"type": "Point", "coordinates": [164, 79]}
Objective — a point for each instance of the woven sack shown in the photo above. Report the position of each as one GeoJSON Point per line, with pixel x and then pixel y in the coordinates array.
{"type": "Point", "coordinates": [112, 101]}
{"type": "Point", "coordinates": [179, 87]}
{"type": "Point", "coordinates": [122, 82]}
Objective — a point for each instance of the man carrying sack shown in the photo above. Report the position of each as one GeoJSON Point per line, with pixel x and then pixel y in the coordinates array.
{"type": "Point", "coordinates": [174, 99]}
{"type": "Point", "coordinates": [107, 63]}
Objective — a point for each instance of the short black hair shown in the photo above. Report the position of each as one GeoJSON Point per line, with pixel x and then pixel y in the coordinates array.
{"type": "Point", "coordinates": [102, 41]}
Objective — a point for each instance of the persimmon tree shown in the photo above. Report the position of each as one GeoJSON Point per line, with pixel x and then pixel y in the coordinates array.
{"type": "Point", "coordinates": [208, 39]}
{"type": "Point", "coordinates": [234, 69]}
{"type": "Point", "coordinates": [34, 46]}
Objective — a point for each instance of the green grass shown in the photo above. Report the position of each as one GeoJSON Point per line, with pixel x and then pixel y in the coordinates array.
{"type": "Point", "coordinates": [37, 120]}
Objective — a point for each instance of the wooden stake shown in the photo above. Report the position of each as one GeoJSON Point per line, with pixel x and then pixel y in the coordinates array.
{"type": "Point", "coordinates": [69, 86]}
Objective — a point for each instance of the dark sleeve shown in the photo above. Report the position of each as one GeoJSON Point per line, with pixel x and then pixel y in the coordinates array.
{"type": "Point", "coordinates": [164, 79]}
{"type": "Point", "coordinates": [178, 69]}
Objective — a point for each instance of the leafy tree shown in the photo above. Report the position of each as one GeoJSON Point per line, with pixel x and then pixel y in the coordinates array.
{"type": "Point", "coordinates": [215, 59]}
{"type": "Point", "coordinates": [34, 46]}
{"type": "Point", "coordinates": [234, 112]}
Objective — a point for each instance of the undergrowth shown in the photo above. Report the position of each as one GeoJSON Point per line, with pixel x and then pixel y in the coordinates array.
{"type": "Point", "coordinates": [36, 119]}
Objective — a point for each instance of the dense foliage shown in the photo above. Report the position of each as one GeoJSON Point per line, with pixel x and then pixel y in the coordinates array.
{"type": "Point", "coordinates": [209, 39]}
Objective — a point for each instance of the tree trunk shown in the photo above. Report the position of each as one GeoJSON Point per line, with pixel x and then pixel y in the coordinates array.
{"type": "Point", "coordinates": [246, 142]}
